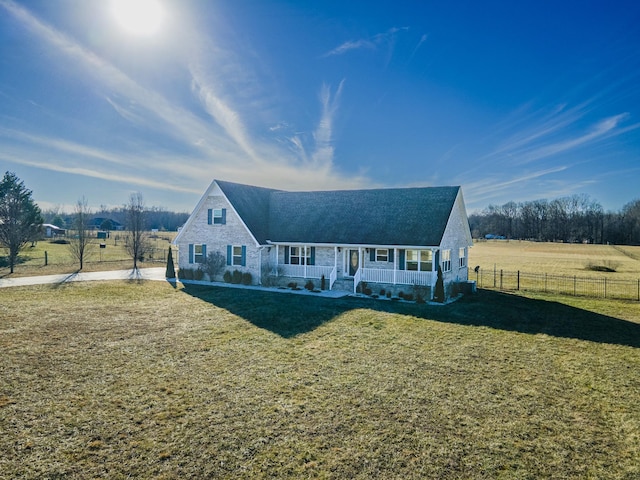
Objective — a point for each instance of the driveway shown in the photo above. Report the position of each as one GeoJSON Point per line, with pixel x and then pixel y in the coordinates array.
{"type": "Point", "coordinates": [156, 273]}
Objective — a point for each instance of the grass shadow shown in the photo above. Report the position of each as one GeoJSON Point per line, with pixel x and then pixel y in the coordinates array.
{"type": "Point", "coordinates": [290, 315]}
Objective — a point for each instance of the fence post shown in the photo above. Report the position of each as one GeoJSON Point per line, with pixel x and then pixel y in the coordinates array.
{"type": "Point", "coordinates": [575, 279]}
{"type": "Point", "coordinates": [46, 258]}
{"type": "Point", "coordinates": [500, 279]}
{"type": "Point", "coordinates": [494, 275]}
{"type": "Point", "coordinates": [605, 287]}
{"type": "Point", "coordinates": [518, 288]}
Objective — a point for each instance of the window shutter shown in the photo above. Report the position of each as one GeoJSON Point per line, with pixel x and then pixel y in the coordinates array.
{"type": "Point", "coordinates": [244, 256]}
{"type": "Point", "coordinates": [372, 254]}
{"type": "Point", "coordinates": [191, 253]}
{"type": "Point", "coordinates": [229, 254]}
{"type": "Point", "coordinates": [286, 254]}
{"type": "Point", "coordinates": [400, 259]}
{"type": "Point", "coordinates": [391, 255]}
{"type": "Point", "coordinates": [209, 216]}
{"type": "Point", "coordinates": [224, 216]}
{"type": "Point", "coordinates": [204, 253]}
{"type": "Point", "coordinates": [312, 261]}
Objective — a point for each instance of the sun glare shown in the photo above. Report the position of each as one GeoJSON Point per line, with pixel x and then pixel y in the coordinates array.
{"type": "Point", "coordinates": [140, 17]}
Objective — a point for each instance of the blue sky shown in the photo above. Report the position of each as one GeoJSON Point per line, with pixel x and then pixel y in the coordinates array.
{"type": "Point", "coordinates": [512, 100]}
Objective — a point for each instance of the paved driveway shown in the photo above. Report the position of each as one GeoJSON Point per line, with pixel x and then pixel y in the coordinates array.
{"type": "Point", "coordinates": [156, 273]}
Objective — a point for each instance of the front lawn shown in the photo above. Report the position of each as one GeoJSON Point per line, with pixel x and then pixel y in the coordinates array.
{"type": "Point", "coordinates": [143, 380]}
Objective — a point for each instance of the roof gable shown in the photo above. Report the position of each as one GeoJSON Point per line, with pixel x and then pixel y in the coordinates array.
{"type": "Point", "coordinates": [252, 205]}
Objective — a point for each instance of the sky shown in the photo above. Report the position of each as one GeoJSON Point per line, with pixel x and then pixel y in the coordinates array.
{"type": "Point", "coordinates": [514, 101]}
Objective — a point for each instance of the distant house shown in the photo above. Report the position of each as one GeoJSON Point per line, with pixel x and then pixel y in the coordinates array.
{"type": "Point", "coordinates": [394, 238]}
{"type": "Point", "coordinates": [52, 231]}
{"type": "Point", "coordinates": [101, 223]}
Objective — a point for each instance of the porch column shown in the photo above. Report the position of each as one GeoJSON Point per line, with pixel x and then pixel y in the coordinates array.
{"type": "Point", "coordinates": [276, 267]}
{"type": "Point", "coordinates": [434, 271]}
{"type": "Point", "coordinates": [335, 259]}
{"type": "Point", "coordinates": [395, 264]}
{"type": "Point", "coordinates": [305, 261]}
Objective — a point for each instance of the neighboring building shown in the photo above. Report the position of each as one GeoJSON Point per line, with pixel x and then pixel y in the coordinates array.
{"type": "Point", "coordinates": [102, 223]}
{"type": "Point", "coordinates": [52, 231]}
{"type": "Point", "coordinates": [394, 238]}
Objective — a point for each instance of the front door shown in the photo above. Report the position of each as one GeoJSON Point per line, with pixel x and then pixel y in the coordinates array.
{"type": "Point", "coordinates": [354, 259]}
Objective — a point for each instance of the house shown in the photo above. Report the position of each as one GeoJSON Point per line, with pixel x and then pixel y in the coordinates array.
{"type": "Point", "coordinates": [53, 231]}
{"type": "Point", "coordinates": [388, 238]}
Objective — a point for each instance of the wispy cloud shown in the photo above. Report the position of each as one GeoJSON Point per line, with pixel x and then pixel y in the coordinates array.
{"type": "Point", "coordinates": [423, 39]}
{"type": "Point", "coordinates": [228, 144]}
{"type": "Point", "coordinates": [370, 43]}
{"type": "Point", "coordinates": [323, 155]}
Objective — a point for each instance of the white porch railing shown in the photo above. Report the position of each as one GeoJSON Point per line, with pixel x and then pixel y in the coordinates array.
{"type": "Point", "coordinates": [357, 278]}
{"type": "Point", "coordinates": [306, 271]}
{"type": "Point", "coordinates": [333, 277]}
{"type": "Point", "coordinates": [403, 277]}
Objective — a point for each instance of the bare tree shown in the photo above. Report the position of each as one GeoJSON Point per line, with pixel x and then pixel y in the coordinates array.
{"type": "Point", "coordinates": [81, 242]}
{"type": "Point", "coordinates": [137, 244]}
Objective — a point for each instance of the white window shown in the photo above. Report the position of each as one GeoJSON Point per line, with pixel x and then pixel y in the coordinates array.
{"type": "Point", "coordinates": [462, 255]}
{"type": "Point", "coordinates": [446, 260]}
{"type": "Point", "coordinates": [382, 255]}
{"type": "Point", "coordinates": [198, 253]}
{"type": "Point", "coordinates": [420, 260]}
{"type": "Point", "coordinates": [217, 216]}
{"type": "Point", "coordinates": [237, 255]}
{"type": "Point", "coordinates": [297, 256]}
{"type": "Point", "coordinates": [426, 260]}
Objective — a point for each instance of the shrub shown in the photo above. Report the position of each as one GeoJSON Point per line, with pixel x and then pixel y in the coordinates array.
{"type": "Point", "coordinates": [408, 297]}
{"type": "Point", "coordinates": [292, 285]}
{"type": "Point", "coordinates": [400, 294]}
{"type": "Point", "coordinates": [421, 292]}
{"type": "Point", "coordinates": [323, 282]}
{"type": "Point", "coordinates": [198, 274]}
{"type": "Point", "coordinates": [367, 291]}
{"type": "Point", "coordinates": [214, 264]}
{"type": "Point", "coordinates": [236, 277]}
{"type": "Point", "coordinates": [309, 285]}
{"type": "Point", "coordinates": [603, 266]}
{"type": "Point", "coordinates": [227, 276]}
{"type": "Point", "coordinates": [389, 294]}
{"type": "Point", "coordinates": [246, 278]}
{"type": "Point", "coordinates": [382, 292]}
{"type": "Point", "coordinates": [185, 274]}
{"type": "Point", "coordinates": [439, 293]}
{"type": "Point", "coordinates": [170, 272]}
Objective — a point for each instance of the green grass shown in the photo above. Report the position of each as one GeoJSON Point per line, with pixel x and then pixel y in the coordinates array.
{"type": "Point", "coordinates": [143, 380]}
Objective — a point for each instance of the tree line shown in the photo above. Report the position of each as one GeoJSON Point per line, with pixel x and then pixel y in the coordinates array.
{"type": "Point", "coordinates": [156, 217]}
{"type": "Point", "coordinates": [577, 218]}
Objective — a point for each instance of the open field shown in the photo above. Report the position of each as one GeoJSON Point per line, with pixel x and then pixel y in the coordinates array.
{"type": "Point", "coordinates": [59, 258]}
{"type": "Point", "coordinates": [128, 379]}
{"type": "Point", "coordinates": [556, 258]}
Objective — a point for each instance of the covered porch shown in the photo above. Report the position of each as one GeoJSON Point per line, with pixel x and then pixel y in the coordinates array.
{"type": "Point", "coordinates": [370, 264]}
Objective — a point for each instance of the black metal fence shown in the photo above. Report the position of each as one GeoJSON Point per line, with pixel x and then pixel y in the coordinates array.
{"type": "Point", "coordinates": [558, 284]}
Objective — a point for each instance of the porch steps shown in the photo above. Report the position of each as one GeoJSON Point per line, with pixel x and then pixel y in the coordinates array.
{"type": "Point", "coordinates": [345, 284]}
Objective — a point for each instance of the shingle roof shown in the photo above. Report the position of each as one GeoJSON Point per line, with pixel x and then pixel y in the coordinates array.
{"type": "Point", "coordinates": [252, 204]}
{"type": "Point", "coordinates": [394, 216]}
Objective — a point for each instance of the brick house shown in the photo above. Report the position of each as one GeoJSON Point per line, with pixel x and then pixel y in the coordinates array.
{"type": "Point", "coordinates": [391, 238]}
